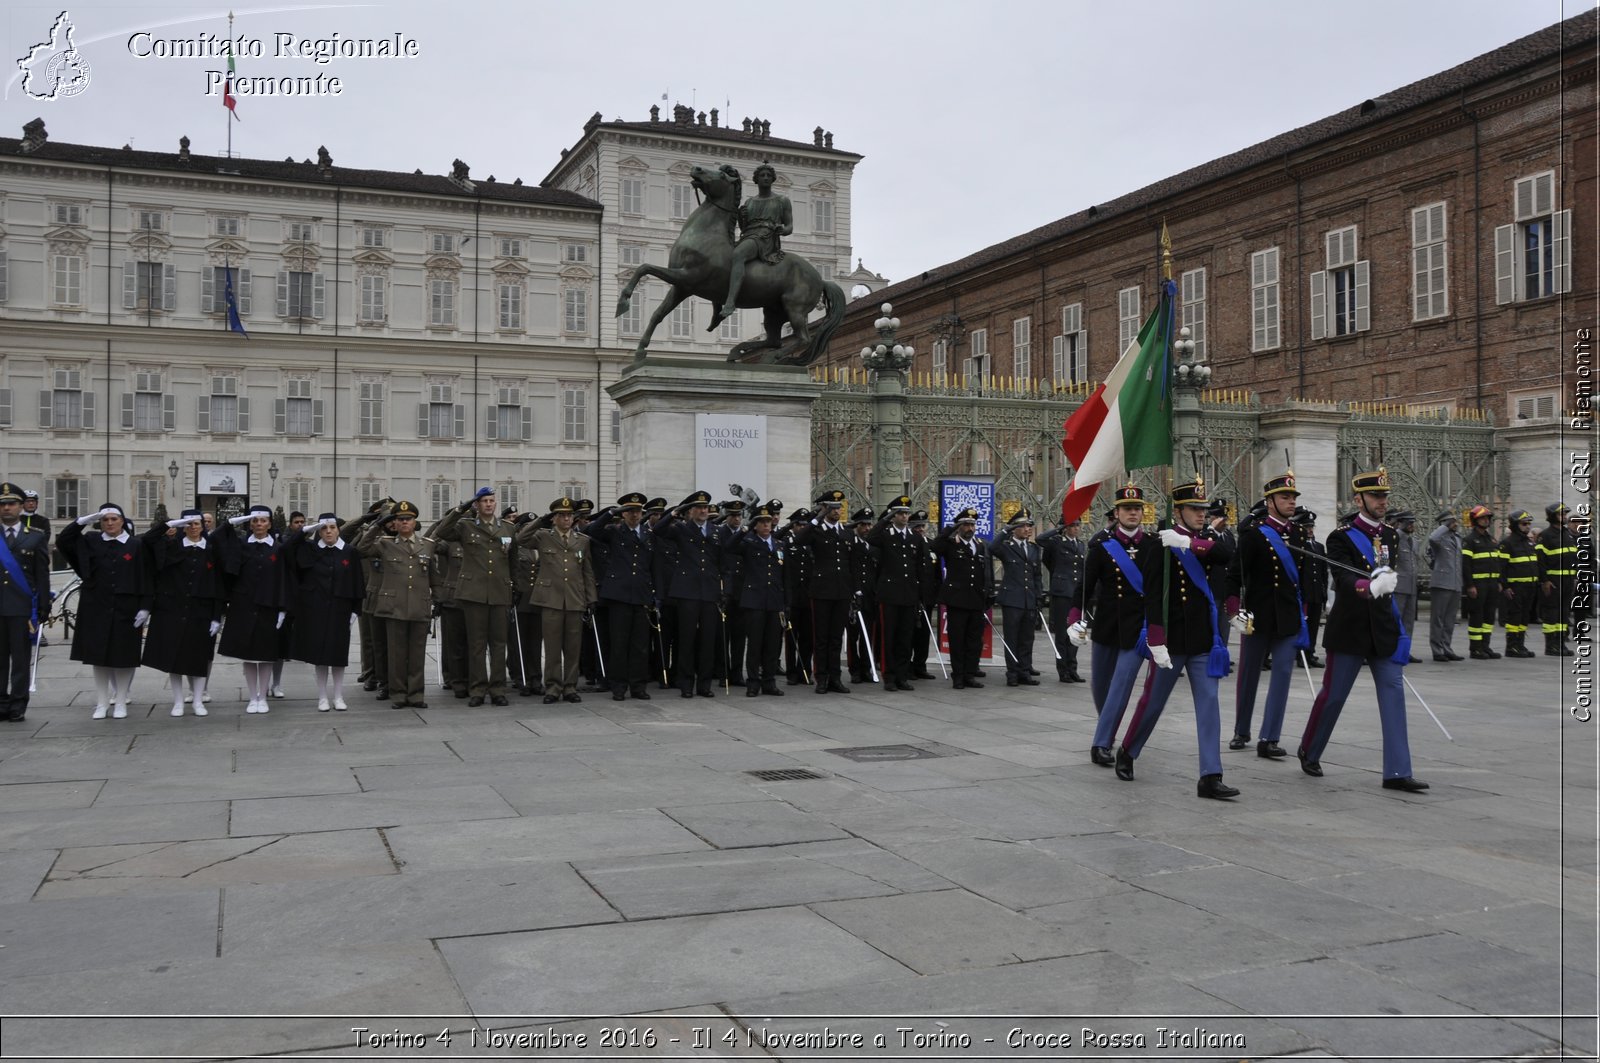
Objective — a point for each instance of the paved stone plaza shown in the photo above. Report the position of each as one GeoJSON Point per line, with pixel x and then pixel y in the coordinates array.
{"type": "Point", "coordinates": [498, 872]}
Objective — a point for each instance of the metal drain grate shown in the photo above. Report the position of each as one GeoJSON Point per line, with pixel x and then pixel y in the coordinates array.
{"type": "Point", "coordinates": [868, 754]}
{"type": "Point", "coordinates": [785, 774]}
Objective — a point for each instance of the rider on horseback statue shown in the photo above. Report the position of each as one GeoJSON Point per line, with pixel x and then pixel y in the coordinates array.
{"type": "Point", "coordinates": [763, 220]}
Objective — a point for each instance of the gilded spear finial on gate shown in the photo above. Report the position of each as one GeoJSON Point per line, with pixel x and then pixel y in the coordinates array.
{"type": "Point", "coordinates": [1166, 252]}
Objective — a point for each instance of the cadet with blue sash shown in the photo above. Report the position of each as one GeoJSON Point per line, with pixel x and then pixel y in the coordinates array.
{"type": "Point", "coordinates": [1273, 617]}
{"type": "Point", "coordinates": [1183, 579]}
{"type": "Point", "coordinates": [24, 599]}
{"type": "Point", "coordinates": [1112, 581]}
{"type": "Point", "coordinates": [1364, 629]}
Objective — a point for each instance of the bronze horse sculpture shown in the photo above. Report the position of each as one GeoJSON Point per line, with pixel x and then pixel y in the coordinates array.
{"type": "Point", "coordinates": [702, 258]}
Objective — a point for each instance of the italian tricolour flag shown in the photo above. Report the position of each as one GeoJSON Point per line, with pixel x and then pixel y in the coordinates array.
{"type": "Point", "coordinates": [227, 89]}
{"type": "Point", "coordinates": [1127, 423]}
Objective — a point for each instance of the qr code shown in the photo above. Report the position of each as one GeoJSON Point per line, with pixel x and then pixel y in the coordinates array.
{"type": "Point", "coordinates": [957, 495]}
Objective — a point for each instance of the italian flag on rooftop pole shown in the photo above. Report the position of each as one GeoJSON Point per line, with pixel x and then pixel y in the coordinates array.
{"type": "Point", "coordinates": [1127, 423]}
{"type": "Point", "coordinates": [227, 85]}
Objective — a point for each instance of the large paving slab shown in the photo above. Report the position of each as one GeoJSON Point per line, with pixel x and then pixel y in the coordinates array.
{"type": "Point", "coordinates": [660, 964]}
{"type": "Point", "coordinates": [530, 839]}
{"type": "Point", "coordinates": [753, 823]}
{"type": "Point", "coordinates": [44, 937]}
{"type": "Point", "coordinates": [62, 828]}
{"type": "Point", "coordinates": [438, 804]}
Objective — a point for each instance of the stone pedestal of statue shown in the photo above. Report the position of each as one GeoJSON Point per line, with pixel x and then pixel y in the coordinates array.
{"type": "Point", "coordinates": [690, 425]}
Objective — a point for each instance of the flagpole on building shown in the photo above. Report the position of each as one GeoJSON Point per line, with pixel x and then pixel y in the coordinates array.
{"type": "Point", "coordinates": [227, 88]}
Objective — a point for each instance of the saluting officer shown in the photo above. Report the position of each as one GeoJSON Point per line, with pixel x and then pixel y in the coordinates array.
{"type": "Point", "coordinates": [796, 578]}
{"type": "Point", "coordinates": [257, 571]}
{"type": "Point", "coordinates": [1113, 582]}
{"type": "Point", "coordinates": [862, 633]}
{"type": "Point", "coordinates": [899, 563]}
{"type": "Point", "coordinates": [1364, 630]}
{"type": "Point", "coordinates": [484, 591]}
{"type": "Point", "coordinates": [1187, 634]}
{"type": "Point", "coordinates": [525, 640]}
{"type": "Point", "coordinates": [967, 593]}
{"type": "Point", "coordinates": [1267, 573]}
{"type": "Point", "coordinates": [564, 592]}
{"type": "Point", "coordinates": [374, 645]}
{"type": "Point", "coordinates": [1481, 573]}
{"type": "Point", "coordinates": [1020, 587]}
{"type": "Point", "coordinates": [24, 599]}
{"type": "Point", "coordinates": [1521, 582]}
{"type": "Point", "coordinates": [405, 597]}
{"type": "Point", "coordinates": [188, 606]}
{"type": "Point", "coordinates": [833, 587]}
{"type": "Point", "coordinates": [761, 598]}
{"type": "Point", "coordinates": [1063, 555]}
{"type": "Point", "coordinates": [627, 588]}
{"type": "Point", "coordinates": [695, 591]}
{"type": "Point", "coordinates": [326, 572]}
{"type": "Point", "coordinates": [927, 596]}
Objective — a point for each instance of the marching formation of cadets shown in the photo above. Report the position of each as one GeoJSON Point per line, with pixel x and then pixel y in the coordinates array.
{"type": "Point", "coordinates": [740, 596]}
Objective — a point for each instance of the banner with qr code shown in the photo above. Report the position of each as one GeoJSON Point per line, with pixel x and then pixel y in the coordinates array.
{"type": "Point", "coordinates": [976, 492]}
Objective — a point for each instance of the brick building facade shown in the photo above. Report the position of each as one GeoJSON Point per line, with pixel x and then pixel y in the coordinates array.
{"type": "Point", "coordinates": [1430, 247]}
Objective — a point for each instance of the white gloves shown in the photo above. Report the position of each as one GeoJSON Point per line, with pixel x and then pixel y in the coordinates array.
{"type": "Point", "coordinates": [352, 618]}
{"type": "Point", "coordinates": [1162, 656]}
{"type": "Point", "coordinates": [1175, 539]}
{"type": "Point", "coordinates": [240, 519]}
{"type": "Point", "coordinates": [180, 522]}
{"type": "Point", "coordinates": [141, 618]}
{"type": "Point", "coordinates": [1240, 621]}
{"type": "Point", "coordinates": [216, 626]}
{"type": "Point", "coordinates": [88, 519]}
{"type": "Point", "coordinates": [1383, 581]}
{"type": "Point", "coordinates": [1078, 634]}
{"type": "Point", "coordinates": [280, 619]}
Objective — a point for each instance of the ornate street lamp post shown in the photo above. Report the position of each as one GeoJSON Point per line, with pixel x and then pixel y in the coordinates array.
{"type": "Point", "coordinates": [888, 360]}
{"type": "Point", "coordinates": [1190, 376]}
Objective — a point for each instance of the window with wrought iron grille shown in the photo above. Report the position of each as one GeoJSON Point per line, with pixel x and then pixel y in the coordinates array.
{"type": "Point", "coordinates": [1265, 301]}
{"type": "Point", "coordinates": [1533, 255]}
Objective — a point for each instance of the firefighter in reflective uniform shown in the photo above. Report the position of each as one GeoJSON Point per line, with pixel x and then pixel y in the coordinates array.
{"type": "Point", "coordinates": [1481, 565]}
{"type": "Point", "coordinates": [1558, 568]}
{"type": "Point", "coordinates": [1520, 587]}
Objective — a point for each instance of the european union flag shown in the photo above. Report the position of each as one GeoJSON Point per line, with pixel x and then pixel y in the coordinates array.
{"type": "Point", "coordinates": [234, 324]}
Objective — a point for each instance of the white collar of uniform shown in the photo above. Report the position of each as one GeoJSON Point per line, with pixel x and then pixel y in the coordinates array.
{"type": "Point", "coordinates": [337, 544]}
{"type": "Point", "coordinates": [264, 539]}
{"type": "Point", "coordinates": [115, 538]}
{"type": "Point", "coordinates": [199, 543]}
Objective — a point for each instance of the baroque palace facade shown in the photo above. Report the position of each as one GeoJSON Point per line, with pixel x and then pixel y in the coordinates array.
{"type": "Point", "coordinates": [409, 335]}
{"type": "Point", "coordinates": [1429, 250]}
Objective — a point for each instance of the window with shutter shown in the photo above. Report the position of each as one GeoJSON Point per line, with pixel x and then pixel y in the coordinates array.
{"type": "Point", "coordinates": [1429, 268]}
{"type": "Point", "coordinates": [1022, 348]}
{"type": "Point", "coordinates": [577, 310]}
{"type": "Point", "coordinates": [1073, 351]}
{"type": "Point", "coordinates": [369, 415]}
{"type": "Point", "coordinates": [5, 275]}
{"type": "Point", "coordinates": [632, 199]}
{"type": "Point", "coordinates": [5, 407]}
{"type": "Point", "coordinates": [1127, 318]}
{"type": "Point", "coordinates": [67, 280]}
{"type": "Point", "coordinates": [442, 302]}
{"type": "Point", "coordinates": [372, 308]}
{"type": "Point", "coordinates": [1192, 291]}
{"type": "Point", "coordinates": [510, 299]}
{"type": "Point", "coordinates": [682, 319]}
{"type": "Point", "coordinates": [940, 356]}
{"type": "Point", "coordinates": [1533, 256]}
{"type": "Point", "coordinates": [1264, 300]}
{"type": "Point", "coordinates": [574, 414]}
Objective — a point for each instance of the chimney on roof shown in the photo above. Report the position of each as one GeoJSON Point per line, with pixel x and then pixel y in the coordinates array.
{"type": "Point", "coordinates": [183, 148]}
{"type": "Point", "coordinates": [34, 136]}
{"type": "Point", "coordinates": [827, 139]}
{"type": "Point", "coordinates": [816, 136]}
{"type": "Point", "coordinates": [747, 124]}
{"type": "Point", "coordinates": [1368, 106]}
{"type": "Point", "coordinates": [713, 118]}
{"type": "Point", "coordinates": [593, 121]}
{"type": "Point", "coordinates": [324, 160]}
{"type": "Point", "coordinates": [459, 170]}
{"type": "Point", "coordinates": [517, 182]}
{"type": "Point", "coordinates": [700, 119]}
{"type": "Point", "coordinates": [766, 129]}
{"type": "Point", "coordinates": [655, 112]}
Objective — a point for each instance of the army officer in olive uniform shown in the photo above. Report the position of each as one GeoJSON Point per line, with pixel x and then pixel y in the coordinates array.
{"type": "Point", "coordinates": [563, 591]}
{"type": "Point", "coordinates": [483, 591]}
{"type": "Point", "coordinates": [405, 597]}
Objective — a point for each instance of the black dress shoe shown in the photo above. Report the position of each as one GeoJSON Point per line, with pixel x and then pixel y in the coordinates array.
{"type": "Point", "coordinates": [1406, 783]}
{"type": "Point", "coordinates": [1011, 680]}
{"type": "Point", "coordinates": [924, 674]}
{"type": "Point", "coordinates": [1101, 756]}
{"type": "Point", "coordinates": [973, 682]}
{"type": "Point", "coordinates": [837, 687]}
{"type": "Point", "coordinates": [382, 694]}
{"type": "Point", "coordinates": [686, 693]}
{"type": "Point", "coordinates": [474, 701]}
{"type": "Point", "coordinates": [771, 690]}
{"type": "Point", "coordinates": [1238, 741]}
{"type": "Point", "coordinates": [1270, 750]}
{"type": "Point", "coordinates": [958, 684]}
{"type": "Point", "coordinates": [573, 697]}
{"type": "Point", "coordinates": [370, 685]}
{"type": "Point", "coordinates": [551, 699]}
{"type": "Point", "coordinates": [901, 684]}
{"type": "Point", "coordinates": [752, 692]}
{"type": "Point", "coordinates": [619, 695]}
{"type": "Point", "coordinates": [1033, 671]}
{"type": "Point", "coordinates": [1313, 661]}
{"type": "Point", "coordinates": [1454, 656]}
{"type": "Point", "coordinates": [460, 694]}
{"type": "Point", "coordinates": [1413, 660]}
{"type": "Point", "coordinates": [1076, 678]}
{"type": "Point", "coordinates": [794, 680]}
{"type": "Point", "coordinates": [499, 699]}
{"type": "Point", "coordinates": [419, 704]}
{"type": "Point", "coordinates": [1442, 658]}
{"type": "Point", "coordinates": [1124, 764]}
{"type": "Point", "coordinates": [704, 692]}
{"type": "Point", "coordinates": [1028, 681]}
{"type": "Point", "coordinates": [1213, 787]}
{"type": "Point", "coordinates": [1310, 767]}
{"type": "Point", "coordinates": [980, 673]}
{"type": "Point", "coordinates": [641, 694]}
{"type": "Point", "coordinates": [822, 686]}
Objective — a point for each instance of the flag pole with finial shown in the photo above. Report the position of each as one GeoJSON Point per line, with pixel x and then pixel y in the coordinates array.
{"type": "Point", "coordinates": [227, 88]}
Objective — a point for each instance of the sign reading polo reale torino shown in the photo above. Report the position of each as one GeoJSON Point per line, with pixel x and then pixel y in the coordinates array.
{"type": "Point", "coordinates": [730, 448]}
